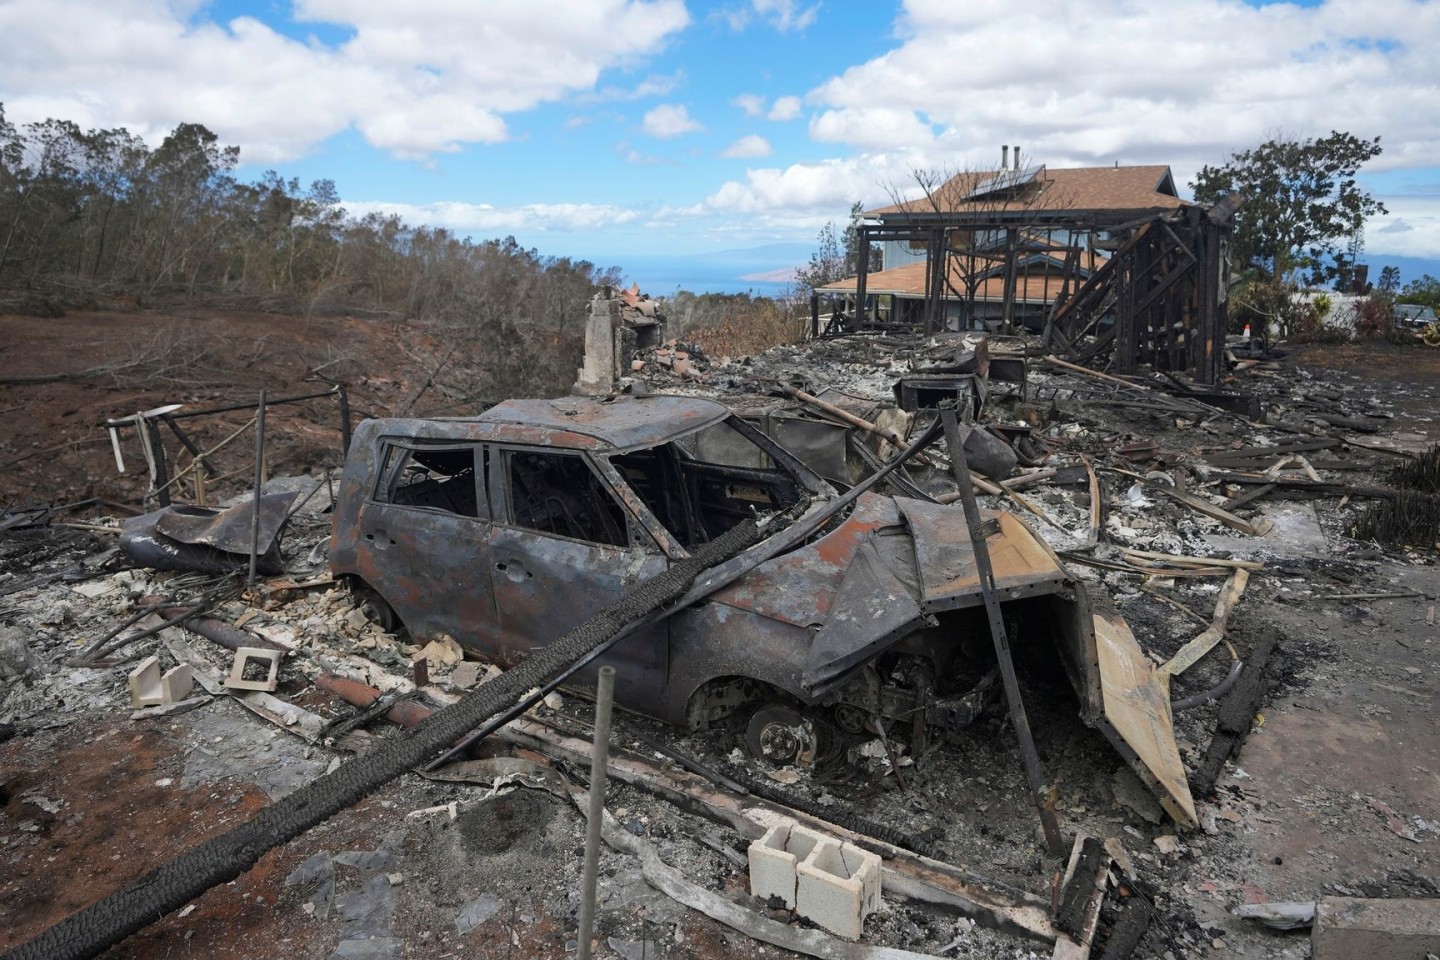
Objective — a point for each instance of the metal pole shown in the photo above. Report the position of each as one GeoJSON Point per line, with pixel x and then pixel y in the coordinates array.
{"type": "Point", "coordinates": [599, 758]}
{"type": "Point", "coordinates": [1033, 773]}
{"type": "Point", "coordinates": [259, 470]}
{"type": "Point", "coordinates": [344, 421]}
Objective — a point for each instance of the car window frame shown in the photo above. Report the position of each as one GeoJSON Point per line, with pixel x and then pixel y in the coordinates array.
{"type": "Point", "coordinates": [639, 533]}
{"type": "Point", "coordinates": [388, 474]}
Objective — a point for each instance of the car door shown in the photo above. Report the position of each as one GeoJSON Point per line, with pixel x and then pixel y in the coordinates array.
{"type": "Point", "coordinates": [563, 547]}
{"type": "Point", "coordinates": [425, 534]}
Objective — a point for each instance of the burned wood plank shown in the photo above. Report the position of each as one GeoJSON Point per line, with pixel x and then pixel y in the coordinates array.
{"type": "Point", "coordinates": [1237, 711]}
{"type": "Point", "coordinates": [1249, 496]}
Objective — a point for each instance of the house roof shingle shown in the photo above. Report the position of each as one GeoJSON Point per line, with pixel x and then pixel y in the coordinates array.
{"type": "Point", "coordinates": [1115, 190]}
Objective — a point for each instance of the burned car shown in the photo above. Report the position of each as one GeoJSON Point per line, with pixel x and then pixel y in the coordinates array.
{"type": "Point", "coordinates": [508, 529]}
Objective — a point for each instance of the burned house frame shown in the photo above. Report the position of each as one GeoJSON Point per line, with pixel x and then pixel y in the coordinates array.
{"type": "Point", "coordinates": [1032, 237]}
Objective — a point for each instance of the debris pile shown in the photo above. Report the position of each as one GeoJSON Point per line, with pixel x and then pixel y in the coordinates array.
{"type": "Point", "coordinates": [1256, 545]}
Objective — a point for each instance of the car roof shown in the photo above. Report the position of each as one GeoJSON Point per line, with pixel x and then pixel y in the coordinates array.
{"type": "Point", "coordinates": [594, 423]}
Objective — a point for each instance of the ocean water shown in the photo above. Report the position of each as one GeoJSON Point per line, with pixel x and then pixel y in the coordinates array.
{"type": "Point", "coordinates": [721, 272]}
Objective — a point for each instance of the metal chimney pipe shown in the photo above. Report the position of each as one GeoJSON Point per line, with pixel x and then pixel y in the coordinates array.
{"type": "Point", "coordinates": [1017, 156]}
{"type": "Point", "coordinates": [1005, 157]}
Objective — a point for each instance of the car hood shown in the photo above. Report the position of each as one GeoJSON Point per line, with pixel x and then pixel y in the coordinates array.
{"type": "Point", "coordinates": [920, 549]}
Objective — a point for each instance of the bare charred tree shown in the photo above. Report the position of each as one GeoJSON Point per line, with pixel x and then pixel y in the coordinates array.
{"type": "Point", "coordinates": [970, 204]}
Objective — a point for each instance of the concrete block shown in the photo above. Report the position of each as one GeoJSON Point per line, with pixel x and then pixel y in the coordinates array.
{"type": "Point", "coordinates": [1348, 928]}
{"type": "Point", "coordinates": [837, 887]}
{"type": "Point", "coordinates": [150, 688]}
{"type": "Point", "coordinates": [774, 857]}
{"type": "Point", "coordinates": [176, 684]}
{"type": "Point", "coordinates": [243, 657]}
{"type": "Point", "coordinates": [145, 683]}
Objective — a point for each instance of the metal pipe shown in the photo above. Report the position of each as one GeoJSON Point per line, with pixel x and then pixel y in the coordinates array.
{"type": "Point", "coordinates": [1211, 696]}
{"type": "Point", "coordinates": [1034, 774]}
{"type": "Point", "coordinates": [595, 810]}
{"type": "Point", "coordinates": [259, 474]}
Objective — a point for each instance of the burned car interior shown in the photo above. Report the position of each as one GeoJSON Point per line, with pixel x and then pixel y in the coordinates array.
{"type": "Point", "coordinates": [700, 485]}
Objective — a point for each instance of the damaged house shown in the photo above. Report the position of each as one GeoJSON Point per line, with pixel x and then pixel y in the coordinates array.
{"type": "Point", "coordinates": [1100, 260]}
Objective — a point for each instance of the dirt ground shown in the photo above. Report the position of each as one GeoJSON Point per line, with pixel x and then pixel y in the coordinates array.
{"type": "Point", "coordinates": [1336, 791]}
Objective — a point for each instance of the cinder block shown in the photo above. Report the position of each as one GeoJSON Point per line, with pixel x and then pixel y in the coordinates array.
{"type": "Point", "coordinates": [176, 684]}
{"type": "Point", "coordinates": [1348, 928]}
{"type": "Point", "coordinates": [145, 683]}
{"type": "Point", "coordinates": [150, 688]}
{"type": "Point", "coordinates": [837, 886]}
{"type": "Point", "coordinates": [774, 857]}
{"type": "Point", "coordinates": [237, 681]}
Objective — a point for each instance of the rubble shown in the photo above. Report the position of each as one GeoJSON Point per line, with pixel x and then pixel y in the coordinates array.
{"type": "Point", "coordinates": [1178, 518]}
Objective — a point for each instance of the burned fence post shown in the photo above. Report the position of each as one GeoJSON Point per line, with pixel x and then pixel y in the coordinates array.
{"type": "Point", "coordinates": [986, 573]}
{"type": "Point", "coordinates": [595, 808]}
{"type": "Point", "coordinates": [151, 438]}
{"type": "Point", "coordinates": [344, 399]}
{"type": "Point", "coordinates": [259, 471]}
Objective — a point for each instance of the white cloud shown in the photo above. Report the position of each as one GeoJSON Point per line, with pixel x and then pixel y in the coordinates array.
{"type": "Point", "coordinates": [753, 145]}
{"type": "Point", "coordinates": [875, 127]}
{"type": "Point", "coordinates": [485, 218]}
{"type": "Point", "coordinates": [811, 190]}
{"type": "Point", "coordinates": [652, 86]}
{"type": "Point", "coordinates": [785, 15]}
{"type": "Point", "coordinates": [669, 120]}
{"type": "Point", "coordinates": [1411, 230]}
{"type": "Point", "coordinates": [1219, 77]}
{"type": "Point", "coordinates": [784, 108]}
{"type": "Point", "coordinates": [1187, 82]}
{"type": "Point", "coordinates": [782, 15]}
{"type": "Point", "coordinates": [752, 103]}
{"type": "Point", "coordinates": [414, 78]}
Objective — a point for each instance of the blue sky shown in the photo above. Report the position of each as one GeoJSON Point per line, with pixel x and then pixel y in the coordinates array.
{"type": "Point", "coordinates": [625, 129]}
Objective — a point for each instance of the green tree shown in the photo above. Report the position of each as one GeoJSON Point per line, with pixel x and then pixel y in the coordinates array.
{"type": "Point", "coordinates": [852, 243]}
{"type": "Point", "coordinates": [1304, 209]}
{"type": "Point", "coordinates": [827, 263]}
{"type": "Point", "coordinates": [1424, 291]}
{"type": "Point", "coordinates": [1388, 286]}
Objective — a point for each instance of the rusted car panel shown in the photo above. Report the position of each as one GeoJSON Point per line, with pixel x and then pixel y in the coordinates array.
{"type": "Point", "coordinates": [798, 587]}
{"type": "Point", "coordinates": [506, 530]}
{"type": "Point", "coordinates": [619, 424]}
{"type": "Point", "coordinates": [872, 611]}
{"type": "Point", "coordinates": [945, 558]}
{"type": "Point", "coordinates": [208, 540]}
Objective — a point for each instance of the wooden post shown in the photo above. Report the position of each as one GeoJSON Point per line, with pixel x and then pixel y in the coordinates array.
{"type": "Point", "coordinates": [344, 399]}
{"type": "Point", "coordinates": [157, 450]}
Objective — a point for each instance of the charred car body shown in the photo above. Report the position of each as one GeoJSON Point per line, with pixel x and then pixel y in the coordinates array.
{"type": "Point", "coordinates": [508, 529]}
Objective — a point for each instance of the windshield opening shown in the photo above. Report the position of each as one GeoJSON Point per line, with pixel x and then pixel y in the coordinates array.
{"type": "Point", "coordinates": [702, 484]}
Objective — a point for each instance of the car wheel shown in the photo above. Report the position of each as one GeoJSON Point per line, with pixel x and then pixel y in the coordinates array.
{"type": "Point", "coordinates": [781, 735]}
